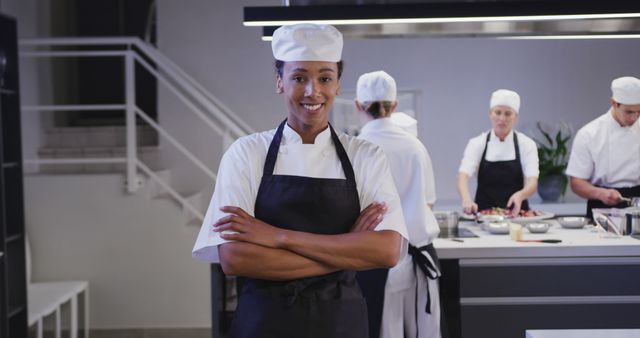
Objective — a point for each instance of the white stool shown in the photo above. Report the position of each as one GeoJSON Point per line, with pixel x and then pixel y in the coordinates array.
{"type": "Point", "coordinates": [46, 298]}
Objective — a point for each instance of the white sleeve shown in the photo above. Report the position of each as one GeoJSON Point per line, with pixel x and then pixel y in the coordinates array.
{"type": "Point", "coordinates": [430, 182]}
{"type": "Point", "coordinates": [581, 163]}
{"type": "Point", "coordinates": [375, 184]}
{"type": "Point", "coordinates": [472, 156]}
{"type": "Point", "coordinates": [233, 187]}
{"type": "Point", "coordinates": [529, 158]}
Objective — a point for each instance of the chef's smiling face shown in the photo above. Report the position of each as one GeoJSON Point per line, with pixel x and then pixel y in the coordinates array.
{"type": "Point", "coordinates": [502, 119]}
{"type": "Point", "coordinates": [625, 114]}
{"type": "Point", "coordinates": [309, 88]}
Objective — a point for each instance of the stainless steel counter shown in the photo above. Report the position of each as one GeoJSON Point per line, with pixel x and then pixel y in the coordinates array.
{"type": "Point", "coordinates": [495, 287]}
{"type": "Point", "coordinates": [575, 243]}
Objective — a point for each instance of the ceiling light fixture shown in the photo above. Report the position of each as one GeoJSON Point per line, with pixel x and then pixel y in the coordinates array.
{"type": "Point", "coordinates": [572, 37]}
{"type": "Point", "coordinates": [442, 12]}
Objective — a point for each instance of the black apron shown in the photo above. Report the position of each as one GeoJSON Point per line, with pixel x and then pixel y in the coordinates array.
{"type": "Point", "coordinates": [498, 180]}
{"type": "Point", "coordinates": [625, 192]}
{"type": "Point", "coordinates": [323, 306]}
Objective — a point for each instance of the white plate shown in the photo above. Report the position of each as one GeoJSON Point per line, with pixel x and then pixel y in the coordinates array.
{"type": "Point", "coordinates": [543, 216]}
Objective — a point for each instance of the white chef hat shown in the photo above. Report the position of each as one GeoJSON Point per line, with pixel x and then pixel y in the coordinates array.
{"type": "Point", "coordinates": [505, 97]}
{"type": "Point", "coordinates": [376, 86]}
{"type": "Point", "coordinates": [406, 122]}
{"type": "Point", "coordinates": [307, 42]}
{"type": "Point", "coordinates": [626, 90]}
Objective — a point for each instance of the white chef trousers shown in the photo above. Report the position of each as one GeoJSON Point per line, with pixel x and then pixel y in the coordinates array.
{"type": "Point", "coordinates": [399, 313]}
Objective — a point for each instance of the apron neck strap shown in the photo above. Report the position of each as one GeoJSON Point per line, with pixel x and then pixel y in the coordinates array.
{"type": "Point", "coordinates": [272, 154]}
{"type": "Point", "coordinates": [515, 144]}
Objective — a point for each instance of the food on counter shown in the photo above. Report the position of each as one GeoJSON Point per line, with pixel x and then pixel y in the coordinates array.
{"type": "Point", "coordinates": [506, 212]}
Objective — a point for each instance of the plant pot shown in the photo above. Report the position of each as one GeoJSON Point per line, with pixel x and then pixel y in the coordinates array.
{"type": "Point", "coordinates": [550, 188]}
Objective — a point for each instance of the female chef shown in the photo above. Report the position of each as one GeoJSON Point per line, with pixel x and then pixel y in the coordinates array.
{"type": "Point", "coordinates": [287, 210]}
{"type": "Point", "coordinates": [410, 297]}
{"type": "Point", "coordinates": [506, 161]}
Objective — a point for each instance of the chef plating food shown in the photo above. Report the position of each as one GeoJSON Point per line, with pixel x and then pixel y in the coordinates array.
{"type": "Point", "coordinates": [604, 166]}
{"type": "Point", "coordinates": [505, 160]}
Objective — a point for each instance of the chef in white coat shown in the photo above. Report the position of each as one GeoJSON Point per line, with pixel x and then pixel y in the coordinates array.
{"type": "Point", "coordinates": [604, 165]}
{"type": "Point", "coordinates": [293, 207]}
{"type": "Point", "coordinates": [411, 301]}
{"type": "Point", "coordinates": [409, 124]}
{"type": "Point", "coordinates": [506, 161]}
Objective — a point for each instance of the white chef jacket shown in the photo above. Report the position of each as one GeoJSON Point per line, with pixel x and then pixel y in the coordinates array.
{"type": "Point", "coordinates": [606, 154]}
{"type": "Point", "coordinates": [413, 176]}
{"type": "Point", "coordinates": [241, 168]}
{"type": "Point", "coordinates": [500, 151]}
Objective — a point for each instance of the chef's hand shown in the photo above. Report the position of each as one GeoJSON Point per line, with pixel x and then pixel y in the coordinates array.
{"type": "Point", "coordinates": [514, 204]}
{"type": "Point", "coordinates": [610, 196]}
{"type": "Point", "coordinates": [370, 217]}
{"type": "Point", "coordinates": [469, 207]}
{"type": "Point", "coordinates": [247, 228]}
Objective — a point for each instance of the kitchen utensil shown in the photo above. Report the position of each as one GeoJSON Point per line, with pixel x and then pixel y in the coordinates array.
{"type": "Point", "coordinates": [498, 228]}
{"type": "Point", "coordinates": [632, 201]}
{"type": "Point", "coordinates": [448, 223]}
{"type": "Point", "coordinates": [538, 227]}
{"type": "Point", "coordinates": [541, 240]}
{"type": "Point", "coordinates": [618, 222]}
{"type": "Point", "coordinates": [633, 222]}
{"type": "Point", "coordinates": [572, 222]}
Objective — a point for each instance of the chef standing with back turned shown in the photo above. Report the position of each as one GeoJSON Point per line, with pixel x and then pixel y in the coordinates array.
{"type": "Point", "coordinates": [604, 165]}
{"type": "Point", "coordinates": [411, 300]}
{"type": "Point", "coordinates": [505, 160]}
{"type": "Point", "coordinates": [293, 208]}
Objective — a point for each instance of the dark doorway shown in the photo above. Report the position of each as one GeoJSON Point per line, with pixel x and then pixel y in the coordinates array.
{"type": "Point", "coordinates": [101, 80]}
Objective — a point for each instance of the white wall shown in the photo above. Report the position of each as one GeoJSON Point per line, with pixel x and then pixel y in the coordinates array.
{"type": "Point", "coordinates": [557, 80]}
{"type": "Point", "coordinates": [135, 252]}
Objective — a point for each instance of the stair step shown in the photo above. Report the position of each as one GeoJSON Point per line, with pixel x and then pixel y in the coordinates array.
{"type": "Point", "coordinates": [195, 199]}
{"type": "Point", "coordinates": [110, 136]}
{"type": "Point", "coordinates": [150, 155]}
{"type": "Point", "coordinates": [153, 189]}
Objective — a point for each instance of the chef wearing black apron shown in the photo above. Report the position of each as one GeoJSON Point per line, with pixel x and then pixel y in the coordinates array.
{"type": "Point", "coordinates": [298, 252]}
{"type": "Point", "coordinates": [604, 165]}
{"type": "Point", "coordinates": [510, 175]}
{"type": "Point", "coordinates": [313, 306]}
{"type": "Point", "coordinates": [498, 180]}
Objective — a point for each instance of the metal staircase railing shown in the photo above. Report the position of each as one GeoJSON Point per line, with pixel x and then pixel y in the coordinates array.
{"type": "Point", "coordinates": [134, 51]}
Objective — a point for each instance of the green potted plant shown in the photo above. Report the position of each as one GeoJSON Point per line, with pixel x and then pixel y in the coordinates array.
{"type": "Point", "coordinates": [553, 156]}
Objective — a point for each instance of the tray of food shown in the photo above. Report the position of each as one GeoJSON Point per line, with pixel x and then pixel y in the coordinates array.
{"type": "Point", "coordinates": [499, 214]}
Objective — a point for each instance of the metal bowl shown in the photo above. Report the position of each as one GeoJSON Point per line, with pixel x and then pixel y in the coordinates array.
{"type": "Point", "coordinates": [573, 222]}
{"type": "Point", "coordinates": [498, 228]}
{"type": "Point", "coordinates": [538, 227]}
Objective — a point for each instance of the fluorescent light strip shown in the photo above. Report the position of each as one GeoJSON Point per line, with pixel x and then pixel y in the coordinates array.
{"type": "Point", "coordinates": [444, 20]}
{"type": "Point", "coordinates": [572, 37]}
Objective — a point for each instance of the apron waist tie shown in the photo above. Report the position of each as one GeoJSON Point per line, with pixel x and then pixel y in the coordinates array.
{"type": "Point", "coordinates": [425, 258]}
{"type": "Point", "coordinates": [292, 291]}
